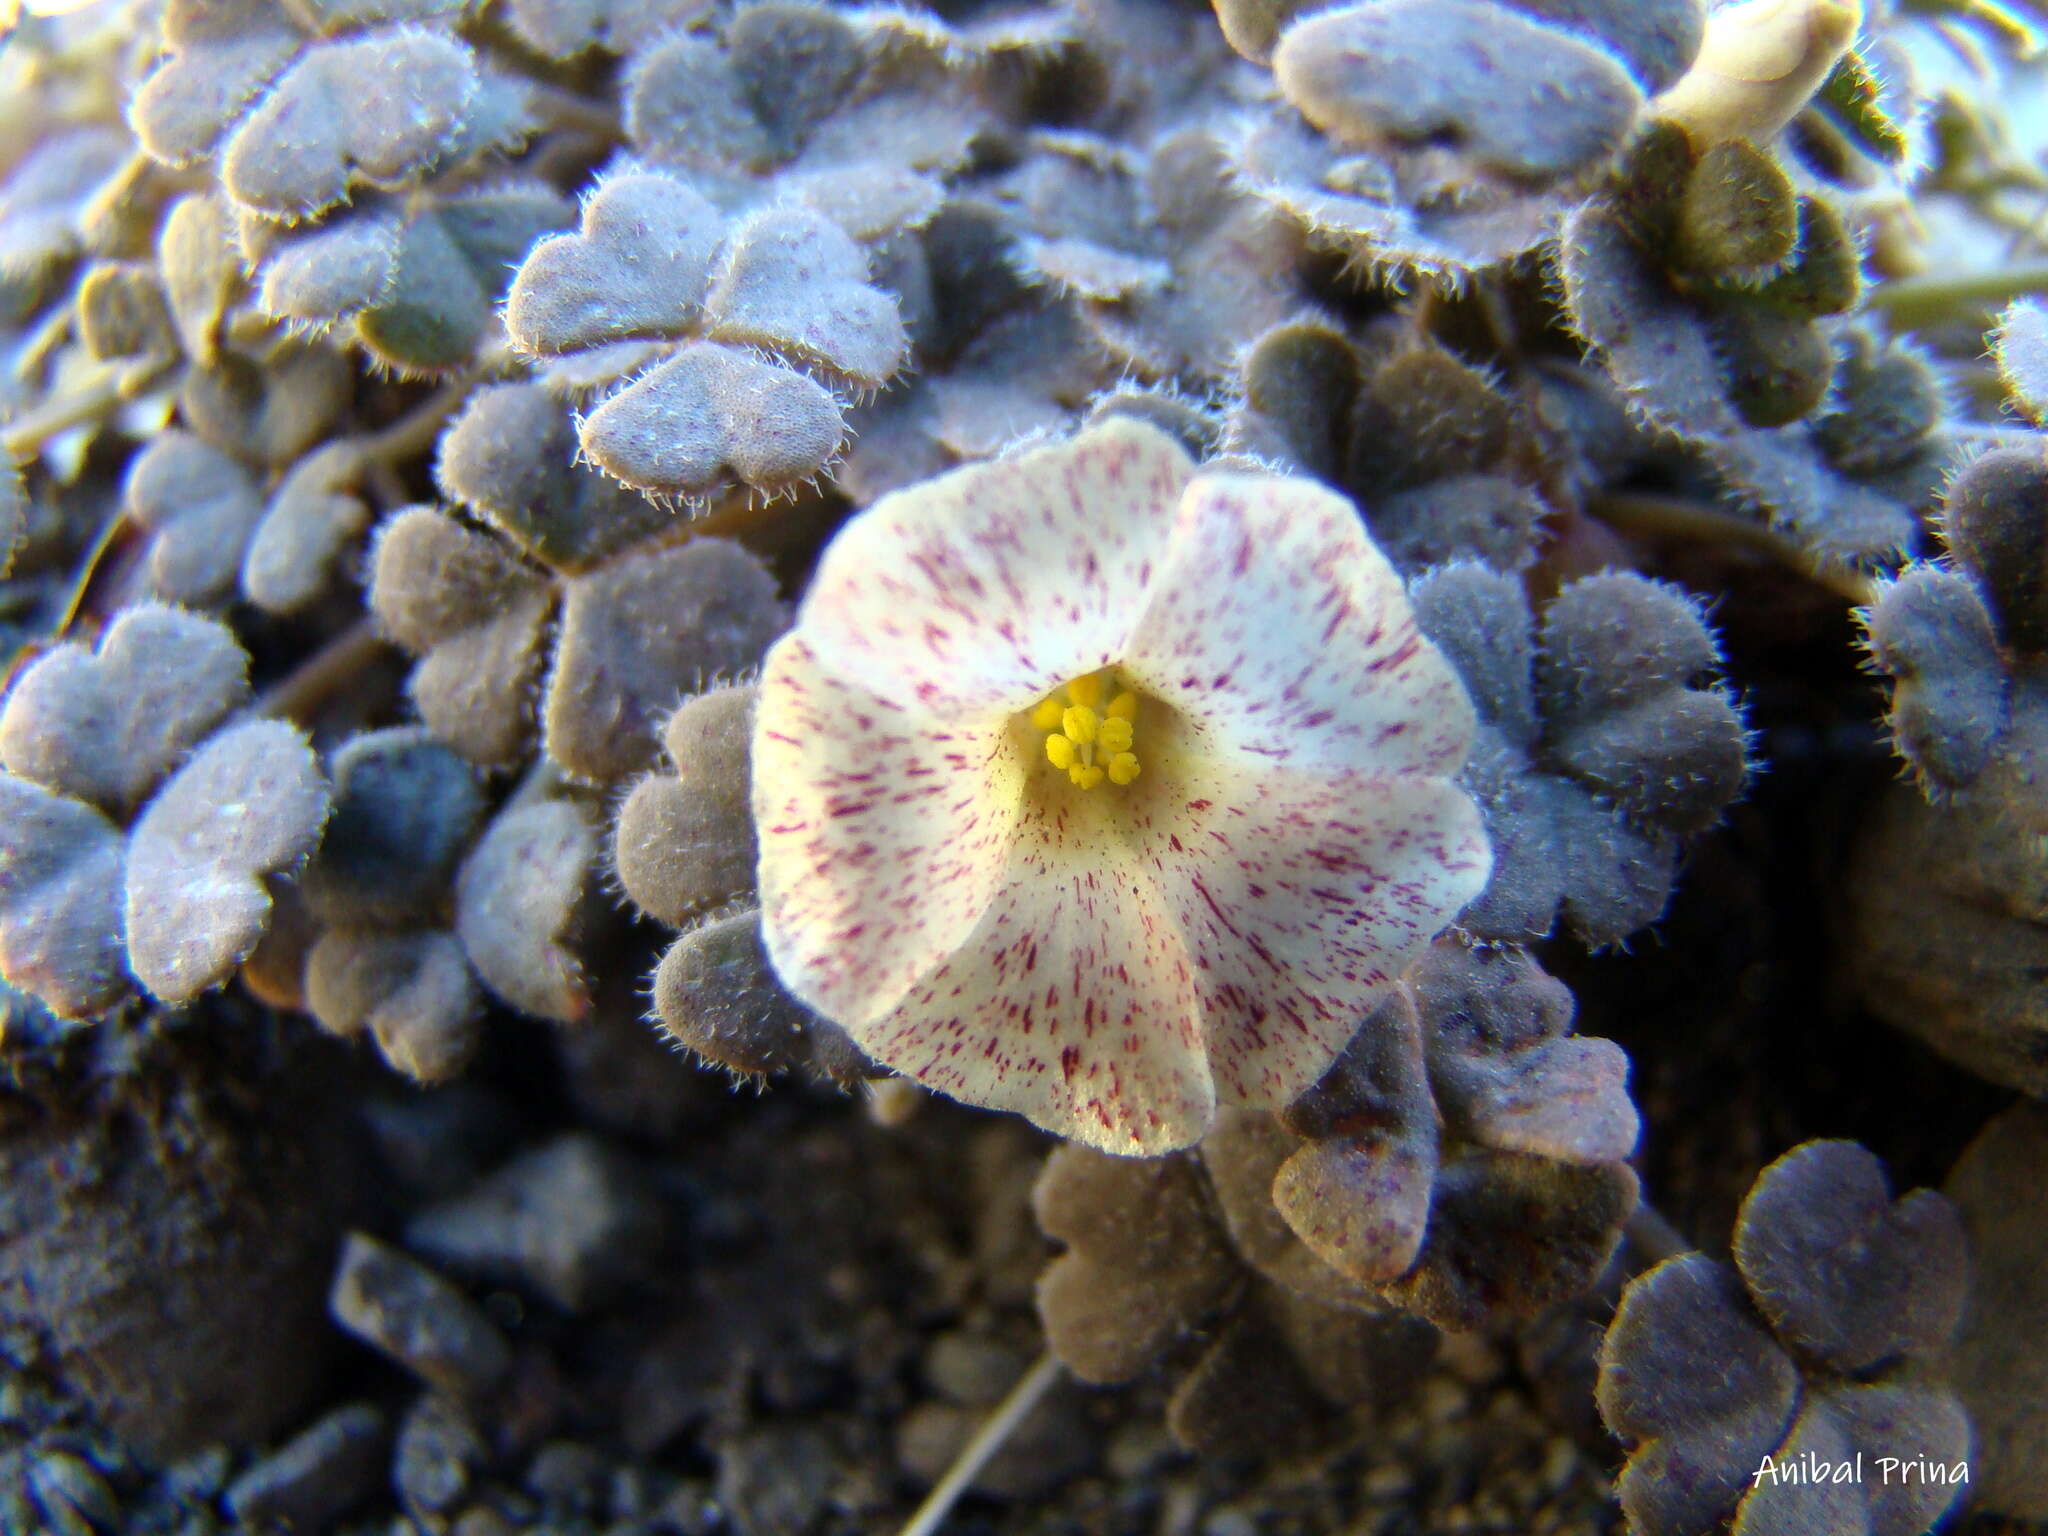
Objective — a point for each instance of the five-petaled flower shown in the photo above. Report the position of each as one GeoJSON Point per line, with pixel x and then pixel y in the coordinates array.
{"type": "Point", "coordinates": [1106, 791]}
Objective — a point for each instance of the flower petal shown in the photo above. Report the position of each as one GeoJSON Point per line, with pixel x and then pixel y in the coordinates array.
{"type": "Point", "coordinates": [882, 837]}
{"type": "Point", "coordinates": [1277, 626]}
{"type": "Point", "coordinates": [1072, 1003]}
{"type": "Point", "coordinates": [991, 585]}
{"type": "Point", "coordinates": [1300, 895]}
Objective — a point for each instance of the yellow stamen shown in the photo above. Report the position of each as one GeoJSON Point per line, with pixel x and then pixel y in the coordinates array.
{"type": "Point", "coordinates": [1085, 744]}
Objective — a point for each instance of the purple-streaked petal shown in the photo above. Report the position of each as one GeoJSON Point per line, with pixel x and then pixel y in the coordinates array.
{"type": "Point", "coordinates": [988, 587]}
{"type": "Point", "coordinates": [1072, 1003]}
{"type": "Point", "coordinates": [883, 837]}
{"type": "Point", "coordinates": [1300, 895]}
{"type": "Point", "coordinates": [1277, 626]}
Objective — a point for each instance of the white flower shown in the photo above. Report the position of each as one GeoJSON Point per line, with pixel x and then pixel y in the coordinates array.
{"type": "Point", "coordinates": [1104, 791]}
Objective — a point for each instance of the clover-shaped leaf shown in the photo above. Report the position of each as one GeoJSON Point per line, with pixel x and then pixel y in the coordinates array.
{"type": "Point", "coordinates": [106, 726]}
{"type": "Point", "coordinates": [1145, 1261]}
{"type": "Point", "coordinates": [562, 29]}
{"type": "Point", "coordinates": [1931, 634]}
{"type": "Point", "coordinates": [1603, 741]}
{"type": "Point", "coordinates": [1702, 1432]}
{"type": "Point", "coordinates": [684, 842]}
{"type": "Point", "coordinates": [61, 868]}
{"type": "Point", "coordinates": [199, 507]}
{"type": "Point", "coordinates": [796, 284]}
{"type": "Point", "coordinates": [385, 108]}
{"type": "Point", "coordinates": [1843, 1272]}
{"type": "Point", "coordinates": [708, 414]}
{"type": "Point", "coordinates": [654, 262]}
{"type": "Point", "coordinates": [475, 616]}
{"type": "Point", "coordinates": [405, 809]}
{"type": "Point", "coordinates": [637, 266]}
{"type": "Point", "coordinates": [1410, 70]}
{"type": "Point", "coordinates": [2021, 346]}
{"type": "Point", "coordinates": [521, 901]}
{"type": "Point", "coordinates": [220, 55]}
{"type": "Point", "coordinates": [511, 458]}
{"type": "Point", "coordinates": [315, 517]}
{"type": "Point", "coordinates": [248, 806]}
{"type": "Point", "coordinates": [1820, 1343]}
{"type": "Point", "coordinates": [412, 991]}
{"type": "Point", "coordinates": [635, 633]}
{"type": "Point", "coordinates": [415, 284]}
{"type": "Point", "coordinates": [717, 996]}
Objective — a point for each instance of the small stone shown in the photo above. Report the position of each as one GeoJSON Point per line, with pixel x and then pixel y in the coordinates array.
{"type": "Point", "coordinates": [396, 1304]}
{"type": "Point", "coordinates": [440, 1450]}
{"type": "Point", "coordinates": [970, 1369]}
{"type": "Point", "coordinates": [774, 1482]}
{"type": "Point", "coordinates": [689, 1510]}
{"type": "Point", "coordinates": [316, 1476]}
{"type": "Point", "coordinates": [572, 1220]}
{"type": "Point", "coordinates": [566, 1474]}
{"type": "Point", "coordinates": [73, 1499]}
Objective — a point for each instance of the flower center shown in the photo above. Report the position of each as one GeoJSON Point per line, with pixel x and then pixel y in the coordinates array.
{"type": "Point", "coordinates": [1086, 739]}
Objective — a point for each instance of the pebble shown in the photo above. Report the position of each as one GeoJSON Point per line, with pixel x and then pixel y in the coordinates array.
{"type": "Point", "coordinates": [573, 1220]}
{"type": "Point", "coordinates": [439, 1452]}
{"type": "Point", "coordinates": [773, 1482]}
{"type": "Point", "coordinates": [394, 1303]}
{"type": "Point", "coordinates": [972, 1369]}
{"type": "Point", "coordinates": [319, 1474]}
{"type": "Point", "coordinates": [74, 1500]}
{"type": "Point", "coordinates": [567, 1475]}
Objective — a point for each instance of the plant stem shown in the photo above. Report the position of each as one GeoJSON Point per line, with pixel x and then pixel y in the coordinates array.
{"type": "Point", "coordinates": [1010, 1412]}
{"type": "Point", "coordinates": [1923, 301]}
{"type": "Point", "coordinates": [298, 696]}
{"type": "Point", "coordinates": [1674, 517]}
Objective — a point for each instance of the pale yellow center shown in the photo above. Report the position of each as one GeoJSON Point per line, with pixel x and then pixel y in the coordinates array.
{"type": "Point", "coordinates": [1086, 739]}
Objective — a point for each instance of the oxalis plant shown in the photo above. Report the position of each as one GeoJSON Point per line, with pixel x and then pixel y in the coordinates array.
{"type": "Point", "coordinates": [1214, 584]}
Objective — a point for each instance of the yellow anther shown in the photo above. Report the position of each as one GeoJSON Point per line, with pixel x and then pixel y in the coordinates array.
{"type": "Point", "coordinates": [1047, 716]}
{"type": "Point", "coordinates": [1059, 752]}
{"type": "Point", "coordinates": [1087, 778]}
{"type": "Point", "coordinates": [1115, 735]}
{"type": "Point", "coordinates": [1080, 723]}
{"type": "Point", "coordinates": [1086, 691]}
{"type": "Point", "coordinates": [1124, 706]}
{"type": "Point", "coordinates": [1122, 768]}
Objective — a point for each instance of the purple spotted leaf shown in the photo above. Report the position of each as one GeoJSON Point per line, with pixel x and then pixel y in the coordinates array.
{"type": "Point", "coordinates": [248, 806]}
{"type": "Point", "coordinates": [1358, 1194]}
{"type": "Point", "coordinates": [1843, 1272]}
{"type": "Point", "coordinates": [1507, 1071]}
